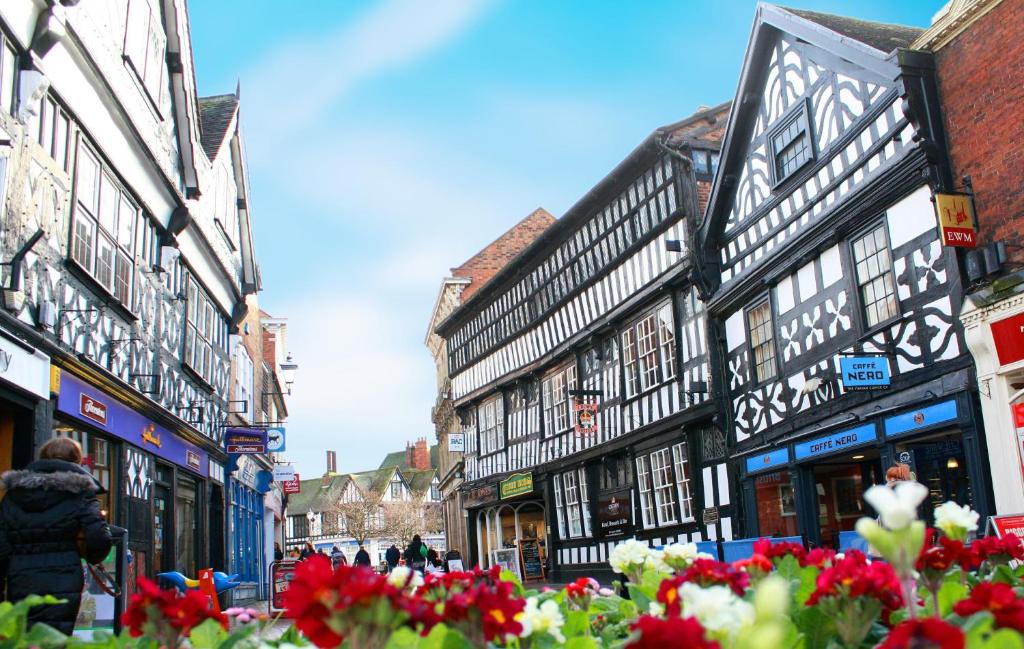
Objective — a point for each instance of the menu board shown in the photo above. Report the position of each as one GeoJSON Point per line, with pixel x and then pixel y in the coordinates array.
{"type": "Point", "coordinates": [508, 560]}
{"type": "Point", "coordinates": [281, 575]}
{"type": "Point", "coordinates": [533, 565]}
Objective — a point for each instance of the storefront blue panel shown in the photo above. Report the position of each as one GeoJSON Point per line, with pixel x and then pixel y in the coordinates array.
{"type": "Point", "coordinates": [840, 441]}
{"type": "Point", "coordinates": [763, 461]}
{"type": "Point", "coordinates": [923, 418]}
{"type": "Point", "coordinates": [247, 518]}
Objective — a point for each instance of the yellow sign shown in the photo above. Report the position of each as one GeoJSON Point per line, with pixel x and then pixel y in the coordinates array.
{"type": "Point", "coordinates": [516, 484]}
{"type": "Point", "coordinates": [956, 219]}
{"type": "Point", "coordinates": [54, 379]}
{"type": "Point", "coordinates": [150, 435]}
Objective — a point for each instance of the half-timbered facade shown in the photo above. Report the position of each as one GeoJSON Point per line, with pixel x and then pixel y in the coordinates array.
{"type": "Point", "coordinates": [832, 293]}
{"type": "Point", "coordinates": [125, 222]}
{"type": "Point", "coordinates": [599, 313]}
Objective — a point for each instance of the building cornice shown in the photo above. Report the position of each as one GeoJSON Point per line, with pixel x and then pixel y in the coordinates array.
{"type": "Point", "coordinates": [952, 20]}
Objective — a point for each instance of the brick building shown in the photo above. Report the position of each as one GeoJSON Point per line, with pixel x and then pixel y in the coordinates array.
{"type": "Point", "coordinates": [464, 281]}
{"type": "Point", "coordinates": [979, 53]}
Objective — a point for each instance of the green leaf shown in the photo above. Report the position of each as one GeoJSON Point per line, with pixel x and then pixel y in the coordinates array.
{"type": "Point", "coordinates": [639, 597]}
{"type": "Point", "coordinates": [207, 635]}
{"type": "Point", "coordinates": [817, 627]}
{"type": "Point", "coordinates": [788, 568]}
{"type": "Point", "coordinates": [577, 623]}
{"type": "Point", "coordinates": [951, 592]}
{"type": "Point", "coordinates": [976, 629]}
{"type": "Point", "coordinates": [44, 636]}
{"type": "Point", "coordinates": [581, 642]}
{"type": "Point", "coordinates": [1004, 574]}
{"type": "Point", "coordinates": [808, 583]}
{"type": "Point", "coordinates": [1005, 639]}
{"type": "Point", "coordinates": [406, 638]}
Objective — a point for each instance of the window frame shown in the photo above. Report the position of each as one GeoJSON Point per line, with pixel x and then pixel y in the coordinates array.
{"type": "Point", "coordinates": [244, 388]}
{"type": "Point", "coordinates": [9, 96]}
{"type": "Point", "coordinates": [630, 340]}
{"type": "Point", "coordinates": [216, 328]}
{"type": "Point", "coordinates": [142, 76]}
{"type": "Point", "coordinates": [495, 407]}
{"type": "Point", "coordinates": [551, 419]}
{"type": "Point", "coordinates": [880, 224]}
{"type": "Point", "coordinates": [668, 500]}
{"type": "Point", "coordinates": [572, 504]}
{"type": "Point", "coordinates": [763, 301]}
{"type": "Point", "coordinates": [800, 112]}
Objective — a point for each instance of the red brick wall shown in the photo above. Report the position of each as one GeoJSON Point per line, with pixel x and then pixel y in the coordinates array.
{"type": "Point", "coordinates": [981, 77]}
{"type": "Point", "coordinates": [486, 263]}
{"type": "Point", "coordinates": [703, 193]}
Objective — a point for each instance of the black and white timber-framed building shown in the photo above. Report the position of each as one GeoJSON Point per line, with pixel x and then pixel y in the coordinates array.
{"type": "Point", "coordinates": [821, 244]}
{"type": "Point", "coordinates": [601, 308]}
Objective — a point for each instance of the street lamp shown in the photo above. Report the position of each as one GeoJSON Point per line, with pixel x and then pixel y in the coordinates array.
{"type": "Point", "coordinates": [288, 368]}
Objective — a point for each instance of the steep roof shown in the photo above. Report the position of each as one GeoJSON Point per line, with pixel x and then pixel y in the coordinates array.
{"type": "Point", "coordinates": [484, 265]}
{"type": "Point", "coordinates": [215, 115]}
{"type": "Point", "coordinates": [885, 37]}
{"type": "Point", "coordinates": [419, 481]}
{"type": "Point", "coordinates": [399, 460]}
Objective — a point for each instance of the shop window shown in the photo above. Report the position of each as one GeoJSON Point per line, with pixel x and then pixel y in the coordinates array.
{"type": "Point", "coordinates": [103, 230]}
{"type": "Point", "coordinates": [776, 504]}
{"type": "Point", "coordinates": [939, 462]}
{"type": "Point", "coordinates": [663, 479]}
{"type": "Point", "coordinates": [492, 425]}
{"type": "Point", "coordinates": [648, 351]}
{"type": "Point", "coordinates": [556, 387]}
{"type": "Point", "coordinates": [186, 526]}
{"type": "Point", "coordinates": [98, 458]}
{"type": "Point", "coordinates": [877, 288]}
{"type": "Point", "coordinates": [762, 341]}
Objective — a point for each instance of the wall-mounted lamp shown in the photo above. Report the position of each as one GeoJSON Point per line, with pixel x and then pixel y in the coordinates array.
{"type": "Point", "coordinates": [952, 463]}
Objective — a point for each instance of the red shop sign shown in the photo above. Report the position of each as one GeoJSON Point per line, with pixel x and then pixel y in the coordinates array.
{"type": "Point", "coordinates": [292, 486]}
{"type": "Point", "coordinates": [92, 409]}
{"type": "Point", "coordinates": [1009, 338]}
{"type": "Point", "coordinates": [1012, 525]}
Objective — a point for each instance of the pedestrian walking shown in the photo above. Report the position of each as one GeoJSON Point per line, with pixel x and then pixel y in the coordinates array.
{"type": "Point", "coordinates": [49, 521]}
{"type": "Point", "coordinates": [392, 556]}
{"type": "Point", "coordinates": [432, 556]}
{"type": "Point", "coordinates": [362, 557]}
{"type": "Point", "coordinates": [278, 552]}
{"type": "Point", "coordinates": [307, 551]}
{"type": "Point", "coordinates": [338, 557]}
{"type": "Point", "coordinates": [416, 554]}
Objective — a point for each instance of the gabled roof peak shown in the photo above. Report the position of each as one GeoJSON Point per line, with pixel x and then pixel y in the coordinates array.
{"type": "Point", "coordinates": [884, 37]}
{"type": "Point", "coordinates": [215, 114]}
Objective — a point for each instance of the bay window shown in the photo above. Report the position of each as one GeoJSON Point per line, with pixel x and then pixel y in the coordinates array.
{"type": "Point", "coordinates": [103, 230]}
{"type": "Point", "coordinates": [205, 330]}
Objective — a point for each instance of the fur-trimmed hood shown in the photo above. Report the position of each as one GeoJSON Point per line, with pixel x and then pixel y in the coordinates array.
{"type": "Point", "coordinates": [52, 475]}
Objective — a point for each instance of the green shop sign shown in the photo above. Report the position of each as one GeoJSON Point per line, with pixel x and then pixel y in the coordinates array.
{"type": "Point", "coordinates": [516, 484]}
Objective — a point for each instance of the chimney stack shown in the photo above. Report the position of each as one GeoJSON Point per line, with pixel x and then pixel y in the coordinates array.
{"type": "Point", "coordinates": [421, 455]}
{"type": "Point", "coordinates": [332, 462]}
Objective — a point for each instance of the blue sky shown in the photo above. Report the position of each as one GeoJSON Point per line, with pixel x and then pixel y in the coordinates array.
{"type": "Point", "coordinates": [389, 141]}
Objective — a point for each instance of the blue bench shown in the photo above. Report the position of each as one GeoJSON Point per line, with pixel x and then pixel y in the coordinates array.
{"type": "Point", "coordinates": [852, 541]}
{"type": "Point", "coordinates": [709, 547]}
{"type": "Point", "coordinates": [744, 548]}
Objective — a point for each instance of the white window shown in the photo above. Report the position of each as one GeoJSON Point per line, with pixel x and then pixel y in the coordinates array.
{"type": "Point", "coordinates": [667, 341]}
{"type": "Point", "coordinates": [664, 488]}
{"type": "Point", "coordinates": [649, 351]}
{"type": "Point", "coordinates": [243, 380]}
{"type": "Point", "coordinates": [559, 506]}
{"type": "Point", "coordinates": [643, 481]}
{"type": "Point", "coordinates": [556, 387]}
{"type": "Point", "coordinates": [584, 502]}
{"type": "Point", "coordinates": [103, 231]}
{"type": "Point", "coordinates": [204, 330]}
{"type": "Point", "coordinates": [572, 505]}
{"type": "Point", "coordinates": [52, 129]}
{"type": "Point", "coordinates": [226, 208]}
{"type": "Point", "coordinates": [874, 277]}
{"type": "Point", "coordinates": [762, 341]}
{"type": "Point", "coordinates": [396, 490]}
{"type": "Point", "coordinates": [492, 425]}
{"type": "Point", "coordinates": [145, 46]}
{"type": "Point", "coordinates": [679, 455]}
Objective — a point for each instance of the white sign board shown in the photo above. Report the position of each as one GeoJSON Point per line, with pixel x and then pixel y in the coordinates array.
{"type": "Point", "coordinates": [284, 472]}
{"type": "Point", "coordinates": [457, 442]}
{"type": "Point", "coordinates": [23, 366]}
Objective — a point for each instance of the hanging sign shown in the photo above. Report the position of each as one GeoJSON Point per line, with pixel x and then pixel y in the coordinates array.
{"type": "Point", "coordinates": [864, 372]}
{"type": "Point", "coordinates": [245, 440]}
{"type": "Point", "coordinates": [292, 486]}
{"type": "Point", "coordinates": [275, 440]}
{"type": "Point", "coordinates": [457, 442]}
{"type": "Point", "coordinates": [516, 484]}
{"type": "Point", "coordinates": [1008, 335]}
{"type": "Point", "coordinates": [586, 417]}
{"type": "Point", "coordinates": [283, 472]}
{"type": "Point", "coordinates": [956, 219]}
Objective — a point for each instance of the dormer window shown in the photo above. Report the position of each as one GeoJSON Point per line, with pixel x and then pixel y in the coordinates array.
{"type": "Point", "coordinates": [791, 145]}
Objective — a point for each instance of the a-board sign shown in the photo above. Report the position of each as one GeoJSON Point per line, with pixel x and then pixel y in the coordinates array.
{"type": "Point", "coordinates": [1007, 525]}
{"type": "Point", "coordinates": [529, 554]}
{"type": "Point", "coordinates": [455, 565]}
{"type": "Point", "coordinates": [508, 559]}
{"type": "Point", "coordinates": [281, 575]}
{"type": "Point", "coordinates": [245, 440]}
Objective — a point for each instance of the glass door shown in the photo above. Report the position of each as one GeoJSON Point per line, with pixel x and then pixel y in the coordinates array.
{"type": "Point", "coordinates": [186, 528]}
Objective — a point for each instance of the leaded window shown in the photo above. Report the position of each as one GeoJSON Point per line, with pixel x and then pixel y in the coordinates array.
{"type": "Point", "coordinates": [492, 425]}
{"type": "Point", "coordinates": [791, 145]}
{"type": "Point", "coordinates": [205, 330]}
{"type": "Point", "coordinates": [572, 504]}
{"type": "Point", "coordinates": [663, 480]}
{"type": "Point", "coordinates": [556, 387]}
{"type": "Point", "coordinates": [762, 342]}
{"type": "Point", "coordinates": [649, 351]}
{"type": "Point", "coordinates": [145, 44]}
{"type": "Point", "coordinates": [873, 264]}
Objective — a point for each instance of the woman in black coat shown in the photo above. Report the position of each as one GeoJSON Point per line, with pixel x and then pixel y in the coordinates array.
{"type": "Point", "coordinates": [415, 554]}
{"type": "Point", "coordinates": [47, 507]}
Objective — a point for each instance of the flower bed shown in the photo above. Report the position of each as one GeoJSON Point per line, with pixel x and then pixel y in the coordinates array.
{"type": "Point", "coordinates": [930, 591]}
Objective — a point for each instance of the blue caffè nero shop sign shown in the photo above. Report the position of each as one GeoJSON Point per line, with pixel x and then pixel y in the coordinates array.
{"type": "Point", "coordinates": [865, 372]}
{"type": "Point", "coordinates": [834, 443]}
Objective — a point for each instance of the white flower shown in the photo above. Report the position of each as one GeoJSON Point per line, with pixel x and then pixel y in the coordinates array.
{"type": "Point", "coordinates": [680, 555]}
{"type": "Point", "coordinates": [656, 561]}
{"type": "Point", "coordinates": [717, 608]}
{"type": "Point", "coordinates": [655, 608]}
{"type": "Point", "coordinates": [405, 577]}
{"type": "Point", "coordinates": [628, 555]}
{"type": "Point", "coordinates": [606, 592]}
{"type": "Point", "coordinates": [956, 521]}
{"type": "Point", "coordinates": [545, 618]}
{"type": "Point", "coordinates": [897, 506]}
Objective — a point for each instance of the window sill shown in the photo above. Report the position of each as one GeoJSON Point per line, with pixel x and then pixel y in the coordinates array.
{"type": "Point", "coordinates": [101, 291]}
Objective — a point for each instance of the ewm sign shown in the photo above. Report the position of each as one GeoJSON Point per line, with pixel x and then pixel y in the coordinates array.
{"type": "Point", "coordinates": [865, 372]}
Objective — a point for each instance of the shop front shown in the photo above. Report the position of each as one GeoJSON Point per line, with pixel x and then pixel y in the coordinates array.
{"type": "Point", "coordinates": [814, 487]}
{"type": "Point", "coordinates": [156, 482]}
{"type": "Point", "coordinates": [248, 529]}
{"type": "Point", "coordinates": [24, 394]}
{"type": "Point", "coordinates": [508, 519]}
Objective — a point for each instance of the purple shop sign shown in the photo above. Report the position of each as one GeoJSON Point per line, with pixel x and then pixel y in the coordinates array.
{"type": "Point", "coordinates": [97, 408]}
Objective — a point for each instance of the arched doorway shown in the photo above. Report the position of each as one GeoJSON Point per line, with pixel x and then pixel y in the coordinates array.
{"type": "Point", "coordinates": [504, 526]}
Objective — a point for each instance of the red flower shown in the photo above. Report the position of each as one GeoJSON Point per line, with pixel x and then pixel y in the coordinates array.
{"type": "Point", "coordinates": [655, 633]}
{"type": "Point", "coordinates": [1000, 550]}
{"type": "Point", "coordinates": [818, 557]}
{"type": "Point", "coordinates": [708, 572]}
{"type": "Point", "coordinates": [668, 595]}
{"type": "Point", "coordinates": [852, 577]}
{"type": "Point", "coordinates": [924, 633]}
{"type": "Point", "coordinates": [938, 559]}
{"type": "Point", "coordinates": [166, 612]}
{"type": "Point", "coordinates": [498, 609]}
{"type": "Point", "coordinates": [756, 564]}
{"type": "Point", "coordinates": [778, 549]}
{"type": "Point", "coordinates": [997, 598]}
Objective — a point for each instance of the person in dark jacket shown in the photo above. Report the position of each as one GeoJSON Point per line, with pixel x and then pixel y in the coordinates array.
{"type": "Point", "coordinates": [49, 521]}
{"type": "Point", "coordinates": [416, 554]}
{"type": "Point", "coordinates": [392, 556]}
{"type": "Point", "coordinates": [307, 551]}
{"type": "Point", "coordinates": [362, 558]}
{"type": "Point", "coordinates": [278, 552]}
{"type": "Point", "coordinates": [432, 556]}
